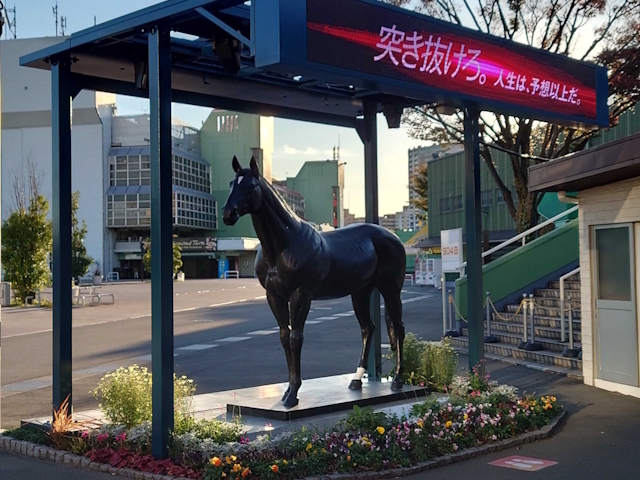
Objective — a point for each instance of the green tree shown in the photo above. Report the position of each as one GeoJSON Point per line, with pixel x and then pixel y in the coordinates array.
{"type": "Point", "coordinates": [80, 261]}
{"type": "Point", "coordinates": [604, 31]}
{"type": "Point", "coordinates": [177, 257]}
{"type": "Point", "coordinates": [26, 237]}
{"type": "Point", "coordinates": [420, 188]}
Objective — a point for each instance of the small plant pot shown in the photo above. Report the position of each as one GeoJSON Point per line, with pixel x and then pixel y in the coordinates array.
{"type": "Point", "coordinates": [97, 279]}
{"type": "Point", "coordinates": [533, 347]}
{"type": "Point", "coordinates": [451, 333]}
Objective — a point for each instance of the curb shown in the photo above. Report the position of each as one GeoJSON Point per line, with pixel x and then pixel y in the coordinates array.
{"type": "Point", "coordinates": [60, 456]}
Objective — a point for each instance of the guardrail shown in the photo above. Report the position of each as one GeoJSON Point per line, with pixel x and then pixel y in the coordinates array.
{"type": "Point", "coordinates": [522, 236]}
{"type": "Point", "coordinates": [232, 274]}
{"type": "Point", "coordinates": [113, 276]}
{"type": "Point", "coordinates": [409, 277]}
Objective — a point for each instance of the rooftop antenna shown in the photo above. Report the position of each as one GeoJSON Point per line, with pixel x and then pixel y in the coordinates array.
{"type": "Point", "coordinates": [63, 25]}
{"type": "Point", "coordinates": [95, 21]}
{"type": "Point", "coordinates": [55, 14]}
{"type": "Point", "coordinates": [11, 21]}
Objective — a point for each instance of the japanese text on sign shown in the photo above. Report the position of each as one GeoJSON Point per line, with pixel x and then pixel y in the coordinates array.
{"type": "Point", "coordinates": [432, 55]}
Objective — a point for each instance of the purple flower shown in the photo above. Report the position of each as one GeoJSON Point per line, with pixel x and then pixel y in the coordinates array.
{"type": "Point", "coordinates": [102, 437]}
{"type": "Point", "coordinates": [85, 434]}
{"type": "Point", "coordinates": [121, 438]}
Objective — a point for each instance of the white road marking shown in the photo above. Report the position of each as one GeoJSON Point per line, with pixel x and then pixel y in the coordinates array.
{"type": "Point", "coordinates": [233, 339]}
{"type": "Point", "coordinates": [322, 308]}
{"type": "Point", "coordinates": [386, 345]}
{"type": "Point", "coordinates": [196, 347]}
{"type": "Point", "coordinates": [262, 332]}
{"type": "Point", "coordinates": [261, 297]}
{"type": "Point", "coordinates": [346, 314]}
{"type": "Point", "coordinates": [326, 318]}
{"type": "Point", "coordinates": [312, 322]}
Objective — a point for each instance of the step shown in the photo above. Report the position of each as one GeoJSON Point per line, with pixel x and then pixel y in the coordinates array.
{"type": "Point", "coordinates": [568, 286]}
{"type": "Point", "coordinates": [555, 293]}
{"type": "Point", "coordinates": [551, 359]}
{"type": "Point", "coordinates": [515, 339]}
{"type": "Point", "coordinates": [550, 333]}
{"type": "Point", "coordinates": [538, 320]}
{"type": "Point", "coordinates": [544, 311]}
{"type": "Point", "coordinates": [551, 302]}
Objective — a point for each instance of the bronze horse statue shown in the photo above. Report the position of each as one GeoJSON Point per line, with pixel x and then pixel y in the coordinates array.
{"type": "Point", "coordinates": [297, 264]}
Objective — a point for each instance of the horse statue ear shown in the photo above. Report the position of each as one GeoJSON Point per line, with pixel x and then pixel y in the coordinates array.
{"type": "Point", "coordinates": [254, 168]}
{"type": "Point", "coordinates": [236, 164]}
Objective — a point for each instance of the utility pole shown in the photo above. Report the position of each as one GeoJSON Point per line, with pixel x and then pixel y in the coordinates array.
{"type": "Point", "coordinates": [9, 21]}
{"type": "Point", "coordinates": [63, 25]}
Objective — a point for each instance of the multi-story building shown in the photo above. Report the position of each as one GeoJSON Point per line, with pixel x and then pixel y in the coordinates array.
{"type": "Point", "coordinates": [321, 183]}
{"type": "Point", "coordinates": [420, 156]}
{"type": "Point", "coordinates": [128, 196]}
{"type": "Point", "coordinates": [407, 219]}
{"type": "Point", "coordinates": [26, 138]}
{"type": "Point", "coordinates": [388, 221]}
{"type": "Point", "coordinates": [295, 200]}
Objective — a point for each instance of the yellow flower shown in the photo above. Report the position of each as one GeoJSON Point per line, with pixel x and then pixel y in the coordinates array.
{"type": "Point", "coordinates": [420, 423]}
{"type": "Point", "coordinates": [285, 462]}
{"type": "Point", "coordinates": [365, 439]}
{"type": "Point", "coordinates": [380, 430]}
{"type": "Point", "coordinates": [215, 461]}
{"type": "Point", "coordinates": [324, 450]}
{"type": "Point", "coordinates": [228, 460]}
{"type": "Point", "coordinates": [448, 424]}
{"type": "Point", "coordinates": [553, 399]}
{"type": "Point", "coordinates": [224, 474]}
{"type": "Point", "coordinates": [309, 447]}
{"type": "Point", "coordinates": [237, 468]}
{"type": "Point", "coordinates": [350, 444]}
{"type": "Point", "coordinates": [466, 417]}
{"type": "Point", "coordinates": [233, 458]}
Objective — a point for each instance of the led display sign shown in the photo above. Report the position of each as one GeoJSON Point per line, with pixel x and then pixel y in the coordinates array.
{"type": "Point", "coordinates": [453, 61]}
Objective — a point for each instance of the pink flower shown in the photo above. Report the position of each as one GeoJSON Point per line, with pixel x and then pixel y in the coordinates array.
{"type": "Point", "coordinates": [121, 438]}
{"type": "Point", "coordinates": [244, 440]}
{"type": "Point", "coordinates": [85, 434]}
{"type": "Point", "coordinates": [493, 437]}
{"type": "Point", "coordinates": [102, 437]}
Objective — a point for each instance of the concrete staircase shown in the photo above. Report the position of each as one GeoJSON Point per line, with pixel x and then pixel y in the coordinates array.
{"type": "Point", "coordinates": [509, 331]}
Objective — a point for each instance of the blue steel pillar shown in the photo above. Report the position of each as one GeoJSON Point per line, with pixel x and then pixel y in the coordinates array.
{"type": "Point", "coordinates": [473, 224]}
{"type": "Point", "coordinates": [161, 239]}
{"type": "Point", "coordinates": [369, 136]}
{"type": "Point", "coordinates": [61, 93]}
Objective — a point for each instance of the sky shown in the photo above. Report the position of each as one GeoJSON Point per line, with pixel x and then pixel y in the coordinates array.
{"type": "Point", "coordinates": [295, 142]}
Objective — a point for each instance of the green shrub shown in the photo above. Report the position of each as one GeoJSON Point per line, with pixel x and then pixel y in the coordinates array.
{"type": "Point", "coordinates": [219, 432]}
{"type": "Point", "coordinates": [125, 396]}
{"type": "Point", "coordinates": [428, 363]}
{"type": "Point", "coordinates": [33, 435]}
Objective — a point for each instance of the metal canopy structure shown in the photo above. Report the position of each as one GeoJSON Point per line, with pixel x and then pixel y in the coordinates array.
{"type": "Point", "coordinates": [338, 62]}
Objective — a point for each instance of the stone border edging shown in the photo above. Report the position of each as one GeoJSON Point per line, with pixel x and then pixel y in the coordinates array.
{"type": "Point", "coordinates": [60, 456]}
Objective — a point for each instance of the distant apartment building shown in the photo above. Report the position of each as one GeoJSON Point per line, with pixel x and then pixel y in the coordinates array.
{"type": "Point", "coordinates": [407, 219]}
{"type": "Point", "coordinates": [420, 156]}
{"type": "Point", "coordinates": [388, 221]}
{"type": "Point", "coordinates": [295, 200]}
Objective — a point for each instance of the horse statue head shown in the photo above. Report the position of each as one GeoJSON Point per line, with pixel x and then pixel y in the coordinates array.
{"type": "Point", "coordinates": [246, 195]}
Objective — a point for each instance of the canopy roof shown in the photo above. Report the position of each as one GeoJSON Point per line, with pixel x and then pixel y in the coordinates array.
{"type": "Point", "coordinates": [318, 60]}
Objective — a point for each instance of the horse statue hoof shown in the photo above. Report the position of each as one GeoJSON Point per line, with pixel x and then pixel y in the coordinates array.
{"type": "Point", "coordinates": [397, 385]}
{"type": "Point", "coordinates": [286, 394]}
{"type": "Point", "coordinates": [290, 401]}
{"type": "Point", "coordinates": [355, 385]}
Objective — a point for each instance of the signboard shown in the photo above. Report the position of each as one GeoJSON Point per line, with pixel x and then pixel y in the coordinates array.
{"type": "Point", "coordinates": [204, 244]}
{"type": "Point", "coordinates": [451, 249]}
{"type": "Point", "coordinates": [223, 266]}
{"type": "Point", "coordinates": [452, 62]}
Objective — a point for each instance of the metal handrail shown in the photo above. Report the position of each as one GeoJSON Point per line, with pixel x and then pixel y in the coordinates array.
{"type": "Point", "coordinates": [562, 329]}
{"type": "Point", "coordinates": [525, 234]}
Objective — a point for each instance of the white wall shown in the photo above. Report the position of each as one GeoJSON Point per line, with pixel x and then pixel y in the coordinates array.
{"type": "Point", "coordinates": [26, 134]}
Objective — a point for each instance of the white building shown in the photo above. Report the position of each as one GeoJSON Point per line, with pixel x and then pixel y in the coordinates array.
{"type": "Point", "coordinates": [110, 168]}
{"type": "Point", "coordinates": [26, 136]}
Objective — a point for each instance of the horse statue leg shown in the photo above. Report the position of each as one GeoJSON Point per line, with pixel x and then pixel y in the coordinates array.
{"type": "Point", "coordinates": [361, 307]}
{"type": "Point", "coordinates": [395, 327]}
{"type": "Point", "coordinates": [280, 308]}
{"type": "Point", "coordinates": [300, 304]}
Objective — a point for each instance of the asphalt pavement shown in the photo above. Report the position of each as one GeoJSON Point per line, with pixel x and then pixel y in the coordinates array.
{"type": "Point", "coordinates": [223, 340]}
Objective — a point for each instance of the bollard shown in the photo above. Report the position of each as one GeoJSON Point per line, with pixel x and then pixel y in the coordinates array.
{"type": "Point", "coordinates": [451, 332]}
{"type": "Point", "coordinates": [571, 352]}
{"type": "Point", "coordinates": [444, 306]}
{"type": "Point", "coordinates": [525, 303]}
{"type": "Point", "coordinates": [533, 346]}
{"type": "Point", "coordinates": [562, 335]}
{"type": "Point", "coordinates": [488, 337]}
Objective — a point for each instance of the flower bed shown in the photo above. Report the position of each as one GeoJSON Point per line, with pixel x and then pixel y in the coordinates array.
{"type": "Point", "coordinates": [477, 412]}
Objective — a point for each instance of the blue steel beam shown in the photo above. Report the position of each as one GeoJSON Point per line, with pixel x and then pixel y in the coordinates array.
{"type": "Point", "coordinates": [161, 240]}
{"type": "Point", "coordinates": [61, 93]}
{"type": "Point", "coordinates": [473, 224]}
{"type": "Point", "coordinates": [369, 136]}
{"type": "Point", "coordinates": [214, 101]}
{"type": "Point", "coordinates": [216, 21]}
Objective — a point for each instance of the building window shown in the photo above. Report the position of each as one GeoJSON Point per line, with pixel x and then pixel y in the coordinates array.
{"type": "Point", "coordinates": [456, 203]}
{"type": "Point", "coordinates": [499, 197]}
{"type": "Point", "coordinates": [444, 205]}
{"type": "Point", "coordinates": [486, 199]}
